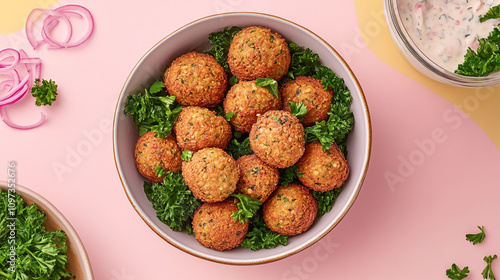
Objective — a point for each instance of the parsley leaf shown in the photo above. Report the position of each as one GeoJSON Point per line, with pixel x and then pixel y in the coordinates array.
{"type": "Point", "coordinates": [153, 112]}
{"type": "Point", "coordinates": [186, 155]}
{"type": "Point", "coordinates": [455, 273]}
{"type": "Point", "coordinates": [477, 237]}
{"type": "Point", "coordinates": [173, 201]}
{"type": "Point", "coordinates": [221, 41]}
{"type": "Point", "coordinates": [40, 254]}
{"type": "Point", "coordinates": [487, 271]}
{"type": "Point", "coordinates": [326, 200]}
{"type": "Point", "coordinates": [238, 148]}
{"type": "Point", "coordinates": [341, 119]}
{"type": "Point", "coordinates": [485, 60]}
{"type": "Point", "coordinates": [247, 207]}
{"type": "Point", "coordinates": [493, 13]}
{"type": "Point", "coordinates": [259, 236]}
{"type": "Point", "coordinates": [269, 83]}
{"type": "Point", "coordinates": [45, 93]}
{"type": "Point", "coordinates": [288, 175]}
{"type": "Point", "coordinates": [298, 109]}
{"type": "Point", "coordinates": [157, 87]}
{"type": "Point", "coordinates": [303, 62]}
{"type": "Point", "coordinates": [334, 130]}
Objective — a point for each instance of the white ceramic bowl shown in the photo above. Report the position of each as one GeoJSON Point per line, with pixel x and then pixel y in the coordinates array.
{"type": "Point", "coordinates": [421, 62]}
{"type": "Point", "coordinates": [194, 36]}
{"type": "Point", "coordinates": [78, 261]}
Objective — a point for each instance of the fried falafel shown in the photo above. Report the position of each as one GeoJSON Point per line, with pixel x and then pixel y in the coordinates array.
{"type": "Point", "coordinates": [151, 151]}
{"type": "Point", "coordinates": [196, 79]}
{"type": "Point", "coordinates": [197, 128]}
{"type": "Point", "coordinates": [247, 100]}
{"type": "Point", "coordinates": [290, 210]}
{"type": "Point", "coordinates": [257, 52]}
{"type": "Point", "coordinates": [211, 174]}
{"type": "Point", "coordinates": [310, 92]}
{"type": "Point", "coordinates": [277, 138]}
{"type": "Point", "coordinates": [214, 228]}
{"type": "Point", "coordinates": [322, 170]}
{"type": "Point", "coordinates": [257, 179]}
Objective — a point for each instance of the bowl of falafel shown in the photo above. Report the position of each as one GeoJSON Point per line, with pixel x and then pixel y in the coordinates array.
{"type": "Point", "coordinates": [242, 138]}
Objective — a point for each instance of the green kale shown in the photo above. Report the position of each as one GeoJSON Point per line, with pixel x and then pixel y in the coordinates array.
{"type": "Point", "coordinates": [39, 254]}
{"type": "Point", "coordinates": [259, 236]}
{"type": "Point", "coordinates": [455, 273]}
{"type": "Point", "coordinates": [269, 83]}
{"type": "Point", "coordinates": [174, 202]}
{"type": "Point", "coordinates": [485, 60]}
{"type": "Point", "coordinates": [326, 200]}
{"type": "Point", "coordinates": [221, 41]}
{"type": "Point", "coordinates": [45, 93]}
{"type": "Point", "coordinates": [247, 207]}
{"type": "Point", "coordinates": [476, 237]}
{"type": "Point", "coordinates": [153, 110]}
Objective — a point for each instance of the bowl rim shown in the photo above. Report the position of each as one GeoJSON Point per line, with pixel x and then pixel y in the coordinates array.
{"type": "Point", "coordinates": [365, 164]}
{"type": "Point", "coordinates": [61, 220]}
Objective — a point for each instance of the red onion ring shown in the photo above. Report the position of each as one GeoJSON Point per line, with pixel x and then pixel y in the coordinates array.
{"type": "Point", "coordinates": [7, 121]}
{"type": "Point", "coordinates": [10, 62]}
{"type": "Point", "coordinates": [52, 18]}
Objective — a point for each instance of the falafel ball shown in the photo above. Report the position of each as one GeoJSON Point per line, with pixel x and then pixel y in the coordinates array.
{"type": "Point", "coordinates": [310, 92]}
{"type": "Point", "coordinates": [322, 170]}
{"type": "Point", "coordinates": [214, 227]}
{"type": "Point", "coordinates": [197, 128]}
{"type": "Point", "coordinates": [196, 79]}
{"type": "Point", "coordinates": [277, 138]}
{"type": "Point", "coordinates": [291, 210]}
{"type": "Point", "coordinates": [257, 179]}
{"type": "Point", "coordinates": [151, 151]}
{"type": "Point", "coordinates": [247, 100]}
{"type": "Point", "coordinates": [211, 174]}
{"type": "Point", "coordinates": [257, 52]}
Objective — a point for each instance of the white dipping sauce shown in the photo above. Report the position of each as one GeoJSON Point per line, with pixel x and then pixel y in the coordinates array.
{"type": "Point", "coordinates": [444, 29]}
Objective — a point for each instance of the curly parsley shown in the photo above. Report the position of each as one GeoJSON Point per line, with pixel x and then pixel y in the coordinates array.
{"type": "Point", "coordinates": [174, 202]}
{"type": "Point", "coordinates": [44, 91]}
{"type": "Point", "coordinates": [40, 254]}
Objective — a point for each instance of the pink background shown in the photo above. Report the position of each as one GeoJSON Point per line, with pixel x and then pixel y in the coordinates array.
{"type": "Point", "coordinates": [412, 227]}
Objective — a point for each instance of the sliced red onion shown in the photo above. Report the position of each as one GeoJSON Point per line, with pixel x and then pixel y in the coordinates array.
{"type": "Point", "coordinates": [10, 62]}
{"type": "Point", "coordinates": [9, 59]}
{"type": "Point", "coordinates": [52, 18]}
{"type": "Point", "coordinates": [7, 121]}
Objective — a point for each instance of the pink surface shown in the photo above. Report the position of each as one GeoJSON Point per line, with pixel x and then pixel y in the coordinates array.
{"type": "Point", "coordinates": [433, 175]}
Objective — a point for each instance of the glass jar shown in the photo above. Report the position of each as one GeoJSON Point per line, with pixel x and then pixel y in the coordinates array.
{"type": "Point", "coordinates": [421, 62]}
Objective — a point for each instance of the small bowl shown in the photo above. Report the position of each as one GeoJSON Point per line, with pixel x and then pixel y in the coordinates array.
{"type": "Point", "coordinates": [421, 62]}
{"type": "Point", "coordinates": [78, 261]}
{"type": "Point", "coordinates": [194, 36]}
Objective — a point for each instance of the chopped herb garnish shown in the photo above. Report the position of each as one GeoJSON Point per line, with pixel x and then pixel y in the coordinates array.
{"type": "Point", "coordinates": [269, 83]}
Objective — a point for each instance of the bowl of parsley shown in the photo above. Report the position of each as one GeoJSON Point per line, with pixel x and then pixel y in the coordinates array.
{"type": "Point", "coordinates": [167, 206]}
{"type": "Point", "coordinates": [40, 242]}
